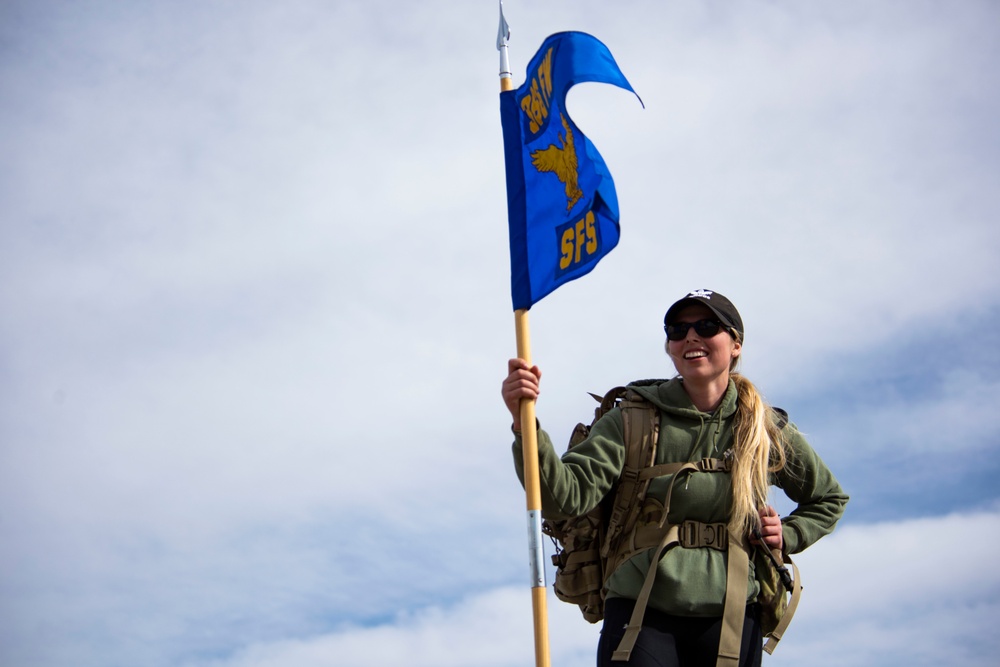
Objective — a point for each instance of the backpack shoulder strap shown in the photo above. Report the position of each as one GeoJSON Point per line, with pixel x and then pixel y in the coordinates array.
{"type": "Point", "coordinates": [640, 430]}
{"type": "Point", "coordinates": [737, 572]}
{"type": "Point", "coordinates": [775, 636]}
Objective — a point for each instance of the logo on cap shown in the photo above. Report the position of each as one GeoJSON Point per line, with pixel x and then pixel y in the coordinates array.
{"type": "Point", "coordinates": [701, 294]}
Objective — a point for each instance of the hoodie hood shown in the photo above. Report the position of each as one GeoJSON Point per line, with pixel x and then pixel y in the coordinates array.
{"type": "Point", "coordinates": [670, 397]}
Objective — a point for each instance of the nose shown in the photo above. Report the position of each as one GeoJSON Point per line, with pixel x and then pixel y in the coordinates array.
{"type": "Point", "coordinates": [691, 334]}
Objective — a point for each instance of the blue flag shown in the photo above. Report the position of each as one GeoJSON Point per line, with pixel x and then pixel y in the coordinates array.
{"type": "Point", "coordinates": [561, 203]}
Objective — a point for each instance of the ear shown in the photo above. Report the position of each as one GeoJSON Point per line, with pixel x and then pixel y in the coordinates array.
{"type": "Point", "coordinates": [737, 349]}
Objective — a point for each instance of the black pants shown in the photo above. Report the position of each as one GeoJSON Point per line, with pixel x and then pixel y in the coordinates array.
{"type": "Point", "coordinates": [674, 641]}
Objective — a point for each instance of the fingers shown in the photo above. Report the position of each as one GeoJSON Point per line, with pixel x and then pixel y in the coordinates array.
{"type": "Point", "coordinates": [522, 382]}
{"type": "Point", "coordinates": [770, 527]}
{"type": "Point", "coordinates": [522, 365]}
{"type": "Point", "coordinates": [519, 374]}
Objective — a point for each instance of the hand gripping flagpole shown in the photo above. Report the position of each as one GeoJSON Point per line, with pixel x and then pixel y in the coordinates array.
{"type": "Point", "coordinates": [529, 435]}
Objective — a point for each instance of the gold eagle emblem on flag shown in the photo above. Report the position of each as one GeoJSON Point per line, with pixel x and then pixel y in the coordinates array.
{"type": "Point", "coordinates": [561, 160]}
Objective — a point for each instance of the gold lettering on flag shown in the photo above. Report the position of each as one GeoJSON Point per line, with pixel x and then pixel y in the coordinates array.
{"type": "Point", "coordinates": [536, 104]}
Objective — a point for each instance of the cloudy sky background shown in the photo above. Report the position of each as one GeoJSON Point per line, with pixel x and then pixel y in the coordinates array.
{"type": "Point", "coordinates": [255, 311]}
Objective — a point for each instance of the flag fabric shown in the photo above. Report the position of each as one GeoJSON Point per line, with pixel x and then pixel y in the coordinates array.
{"type": "Point", "coordinates": [561, 203]}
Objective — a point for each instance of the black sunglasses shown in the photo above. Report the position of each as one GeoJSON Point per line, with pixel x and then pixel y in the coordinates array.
{"type": "Point", "coordinates": [704, 328]}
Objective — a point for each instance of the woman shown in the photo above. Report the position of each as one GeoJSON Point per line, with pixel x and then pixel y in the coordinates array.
{"type": "Point", "coordinates": [707, 411]}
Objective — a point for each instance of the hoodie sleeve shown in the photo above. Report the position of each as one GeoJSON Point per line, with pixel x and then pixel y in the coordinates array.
{"type": "Point", "coordinates": [807, 481]}
{"type": "Point", "coordinates": [576, 482]}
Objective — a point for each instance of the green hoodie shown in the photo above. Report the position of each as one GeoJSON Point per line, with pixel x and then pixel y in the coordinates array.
{"type": "Point", "coordinates": [689, 582]}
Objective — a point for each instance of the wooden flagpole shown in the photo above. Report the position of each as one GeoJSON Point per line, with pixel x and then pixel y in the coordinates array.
{"type": "Point", "coordinates": [529, 437]}
{"type": "Point", "coordinates": [533, 497]}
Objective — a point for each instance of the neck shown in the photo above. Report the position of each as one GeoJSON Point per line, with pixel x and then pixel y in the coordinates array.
{"type": "Point", "coordinates": [707, 396]}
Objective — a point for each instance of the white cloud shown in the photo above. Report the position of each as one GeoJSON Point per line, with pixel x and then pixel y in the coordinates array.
{"type": "Point", "coordinates": [492, 628]}
{"type": "Point", "coordinates": [947, 416]}
{"type": "Point", "coordinates": [918, 592]}
{"type": "Point", "coordinates": [887, 593]}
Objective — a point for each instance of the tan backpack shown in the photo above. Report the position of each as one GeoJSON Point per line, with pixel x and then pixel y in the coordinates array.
{"type": "Point", "coordinates": [583, 542]}
{"type": "Point", "coordinates": [589, 547]}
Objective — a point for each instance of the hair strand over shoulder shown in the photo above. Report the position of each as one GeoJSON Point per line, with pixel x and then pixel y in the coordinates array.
{"type": "Point", "coordinates": [758, 450]}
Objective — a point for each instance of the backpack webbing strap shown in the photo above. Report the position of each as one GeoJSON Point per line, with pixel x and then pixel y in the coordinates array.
{"type": "Point", "coordinates": [704, 465]}
{"type": "Point", "coordinates": [624, 650]}
{"type": "Point", "coordinates": [737, 574]}
{"type": "Point", "coordinates": [735, 609]}
{"type": "Point", "coordinates": [786, 618]}
{"type": "Point", "coordinates": [640, 428]}
{"type": "Point", "coordinates": [691, 535]}
{"type": "Point", "coordinates": [646, 531]}
{"type": "Point", "coordinates": [671, 538]}
{"type": "Point", "coordinates": [734, 613]}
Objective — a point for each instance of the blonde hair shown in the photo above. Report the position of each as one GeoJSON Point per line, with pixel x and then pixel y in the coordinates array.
{"type": "Point", "coordinates": [759, 448]}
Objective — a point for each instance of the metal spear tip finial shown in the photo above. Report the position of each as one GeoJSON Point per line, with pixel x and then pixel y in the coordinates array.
{"type": "Point", "coordinates": [503, 34]}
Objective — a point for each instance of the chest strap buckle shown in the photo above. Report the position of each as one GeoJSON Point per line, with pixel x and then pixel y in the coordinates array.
{"type": "Point", "coordinates": [695, 534]}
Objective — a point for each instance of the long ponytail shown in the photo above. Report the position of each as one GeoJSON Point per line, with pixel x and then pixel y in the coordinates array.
{"type": "Point", "coordinates": [758, 449]}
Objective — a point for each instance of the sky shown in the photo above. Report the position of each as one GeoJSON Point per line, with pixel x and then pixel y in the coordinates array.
{"type": "Point", "coordinates": [255, 314]}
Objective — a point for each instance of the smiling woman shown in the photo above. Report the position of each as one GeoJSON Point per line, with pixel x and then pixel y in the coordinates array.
{"type": "Point", "coordinates": [700, 603]}
{"type": "Point", "coordinates": [702, 357]}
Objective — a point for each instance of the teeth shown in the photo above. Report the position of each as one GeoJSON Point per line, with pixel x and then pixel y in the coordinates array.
{"type": "Point", "coordinates": [695, 354]}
